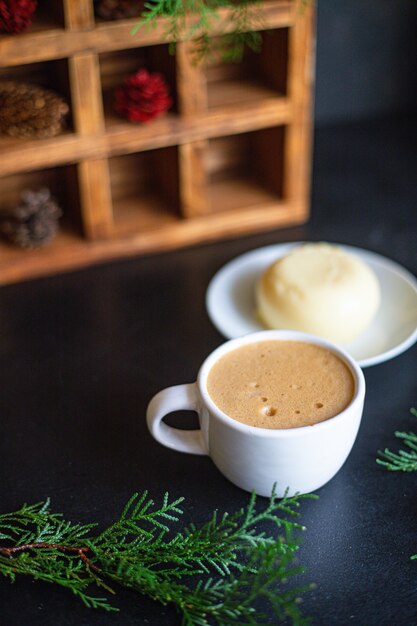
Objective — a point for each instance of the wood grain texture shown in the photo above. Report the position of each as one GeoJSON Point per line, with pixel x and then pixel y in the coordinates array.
{"type": "Point", "coordinates": [56, 43]}
{"type": "Point", "coordinates": [191, 81]}
{"type": "Point", "coordinates": [86, 92]}
{"type": "Point", "coordinates": [79, 14]}
{"type": "Point", "coordinates": [95, 196]}
{"type": "Point", "coordinates": [194, 180]}
{"type": "Point", "coordinates": [68, 252]}
{"type": "Point", "coordinates": [297, 156]}
{"type": "Point", "coordinates": [122, 137]}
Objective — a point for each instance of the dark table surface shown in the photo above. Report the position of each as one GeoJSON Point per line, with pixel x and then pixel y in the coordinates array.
{"type": "Point", "coordinates": [81, 355]}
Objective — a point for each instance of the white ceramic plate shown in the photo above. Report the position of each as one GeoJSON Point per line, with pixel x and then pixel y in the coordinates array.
{"type": "Point", "coordinates": [230, 302]}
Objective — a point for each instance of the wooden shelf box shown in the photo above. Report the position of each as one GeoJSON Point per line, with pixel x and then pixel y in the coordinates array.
{"type": "Point", "coordinates": [232, 156]}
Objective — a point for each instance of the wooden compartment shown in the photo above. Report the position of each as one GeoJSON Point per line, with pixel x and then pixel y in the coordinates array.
{"type": "Point", "coordinates": [245, 170]}
{"type": "Point", "coordinates": [52, 75]}
{"type": "Point", "coordinates": [49, 15]}
{"type": "Point", "coordinates": [116, 66]}
{"type": "Point", "coordinates": [257, 77]}
{"type": "Point", "coordinates": [232, 156]}
{"type": "Point", "coordinates": [62, 182]}
{"type": "Point", "coordinates": [145, 191]}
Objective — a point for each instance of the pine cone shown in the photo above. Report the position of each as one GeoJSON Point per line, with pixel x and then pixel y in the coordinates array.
{"type": "Point", "coordinates": [143, 96]}
{"type": "Point", "coordinates": [30, 111]}
{"type": "Point", "coordinates": [34, 222]}
{"type": "Point", "coordinates": [16, 15]}
{"type": "Point", "coordinates": [118, 9]}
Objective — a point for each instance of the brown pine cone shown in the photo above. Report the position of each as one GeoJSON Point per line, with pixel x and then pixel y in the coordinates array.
{"type": "Point", "coordinates": [118, 9]}
{"type": "Point", "coordinates": [34, 222]}
{"type": "Point", "coordinates": [30, 111]}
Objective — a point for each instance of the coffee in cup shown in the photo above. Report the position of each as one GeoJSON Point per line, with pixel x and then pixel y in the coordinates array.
{"type": "Point", "coordinates": [280, 384]}
{"type": "Point", "coordinates": [294, 456]}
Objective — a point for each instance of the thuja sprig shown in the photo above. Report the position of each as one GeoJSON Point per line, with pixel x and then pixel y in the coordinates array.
{"type": "Point", "coordinates": [403, 460]}
{"type": "Point", "coordinates": [213, 574]}
{"type": "Point", "coordinates": [197, 20]}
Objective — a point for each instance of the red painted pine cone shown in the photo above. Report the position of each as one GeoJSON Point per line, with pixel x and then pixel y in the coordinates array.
{"type": "Point", "coordinates": [16, 15]}
{"type": "Point", "coordinates": [143, 96]}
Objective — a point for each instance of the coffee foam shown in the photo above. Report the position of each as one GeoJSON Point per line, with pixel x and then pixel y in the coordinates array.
{"type": "Point", "coordinates": [280, 384]}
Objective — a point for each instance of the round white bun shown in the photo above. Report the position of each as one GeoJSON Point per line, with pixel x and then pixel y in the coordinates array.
{"type": "Point", "coordinates": [320, 289]}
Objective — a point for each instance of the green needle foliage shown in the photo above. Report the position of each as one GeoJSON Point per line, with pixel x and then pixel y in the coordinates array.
{"type": "Point", "coordinates": [224, 572]}
{"type": "Point", "coordinates": [404, 460]}
{"type": "Point", "coordinates": [196, 19]}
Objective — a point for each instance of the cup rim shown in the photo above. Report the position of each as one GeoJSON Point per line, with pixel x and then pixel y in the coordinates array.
{"type": "Point", "coordinates": [281, 335]}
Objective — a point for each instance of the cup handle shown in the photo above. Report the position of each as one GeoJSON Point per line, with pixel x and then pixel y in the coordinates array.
{"type": "Point", "coordinates": [179, 397]}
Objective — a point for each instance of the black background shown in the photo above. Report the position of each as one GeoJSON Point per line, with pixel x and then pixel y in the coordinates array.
{"type": "Point", "coordinates": [366, 58]}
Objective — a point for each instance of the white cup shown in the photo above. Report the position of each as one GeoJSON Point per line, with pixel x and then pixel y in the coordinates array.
{"type": "Point", "coordinates": [299, 460]}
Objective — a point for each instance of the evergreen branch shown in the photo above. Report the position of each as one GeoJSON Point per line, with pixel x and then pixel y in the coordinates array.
{"type": "Point", "coordinates": [403, 460]}
{"type": "Point", "coordinates": [234, 34]}
{"type": "Point", "coordinates": [247, 20]}
{"type": "Point", "coordinates": [215, 574]}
